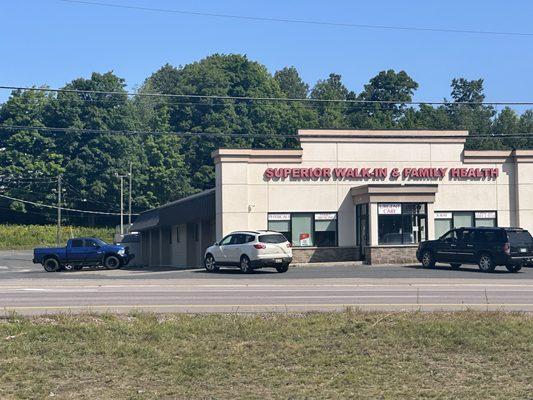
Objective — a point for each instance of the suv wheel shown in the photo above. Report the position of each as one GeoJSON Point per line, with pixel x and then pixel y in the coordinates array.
{"type": "Point", "coordinates": [112, 262]}
{"type": "Point", "coordinates": [245, 265]}
{"type": "Point", "coordinates": [455, 266]}
{"type": "Point", "coordinates": [282, 268]}
{"type": "Point", "coordinates": [513, 268]}
{"type": "Point", "coordinates": [427, 259]}
{"type": "Point", "coordinates": [209, 264]}
{"type": "Point", "coordinates": [51, 265]}
{"type": "Point", "coordinates": [485, 263]}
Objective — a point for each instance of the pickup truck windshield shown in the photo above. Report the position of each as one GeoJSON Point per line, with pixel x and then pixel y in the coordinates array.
{"type": "Point", "coordinates": [99, 242]}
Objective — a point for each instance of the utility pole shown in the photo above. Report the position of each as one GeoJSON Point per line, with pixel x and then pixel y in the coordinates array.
{"type": "Point", "coordinates": [129, 192]}
{"type": "Point", "coordinates": [58, 238]}
{"type": "Point", "coordinates": [121, 202]}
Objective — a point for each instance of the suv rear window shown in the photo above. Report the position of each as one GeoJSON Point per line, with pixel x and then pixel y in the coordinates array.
{"type": "Point", "coordinates": [272, 238]}
{"type": "Point", "coordinates": [489, 235]}
{"type": "Point", "coordinates": [522, 237]}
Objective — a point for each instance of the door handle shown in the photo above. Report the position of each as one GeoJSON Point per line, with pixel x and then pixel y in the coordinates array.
{"type": "Point", "coordinates": [453, 245]}
{"type": "Point", "coordinates": [469, 245]}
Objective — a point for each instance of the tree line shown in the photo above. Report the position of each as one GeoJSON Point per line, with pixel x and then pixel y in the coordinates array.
{"type": "Point", "coordinates": [168, 166]}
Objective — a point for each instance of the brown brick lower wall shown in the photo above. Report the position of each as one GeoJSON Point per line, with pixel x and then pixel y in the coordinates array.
{"type": "Point", "coordinates": [390, 255]}
{"type": "Point", "coordinates": [325, 254]}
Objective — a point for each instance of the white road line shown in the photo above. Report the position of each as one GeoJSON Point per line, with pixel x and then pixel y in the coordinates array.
{"type": "Point", "coordinates": [264, 306]}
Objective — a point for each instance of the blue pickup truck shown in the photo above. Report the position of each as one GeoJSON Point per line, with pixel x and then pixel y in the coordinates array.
{"type": "Point", "coordinates": [81, 252]}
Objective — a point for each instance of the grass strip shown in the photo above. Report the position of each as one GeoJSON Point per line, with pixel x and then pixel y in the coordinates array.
{"type": "Point", "coordinates": [353, 354]}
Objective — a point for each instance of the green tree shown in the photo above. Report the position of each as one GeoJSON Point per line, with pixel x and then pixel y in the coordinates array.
{"type": "Point", "coordinates": [291, 84]}
{"type": "Point", "coordinates": [331, 114]}
{"type": "Point", "coordinates": [384, 87]}
{"type": "Point", "coordinates": [28, 156]}
{"type": "Point", "coordinates": [475, 116]}
{"type": "Point", "coordinates": [221, 75]}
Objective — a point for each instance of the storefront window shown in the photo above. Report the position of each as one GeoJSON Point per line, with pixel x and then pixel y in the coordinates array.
{"type": "Point", "coordinates": [446, 220]}
{"type": "Point", "coordinates": [306, 229]}
{"type": "Point", "coordinates": [325, 229]}
{"type": "Point", "coordinates": [463, 219]}
{"type": "Point", "coordinates": [401, 223]}
{"type": "Point", "coordinates": [443, 223]}
{"type": "Point", "coordinates": [280, 223]}
{"type": "Point", "coordinates": [302, 230]}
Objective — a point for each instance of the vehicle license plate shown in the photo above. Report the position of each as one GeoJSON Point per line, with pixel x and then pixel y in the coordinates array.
{"type": "Point", "coordinates": [278, 260]}
{"type": "Point", "coordinates": [522, 250]}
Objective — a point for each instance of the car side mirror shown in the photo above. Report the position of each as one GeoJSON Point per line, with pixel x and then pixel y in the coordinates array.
{"type": "Point", "coordinates": [217, 244]}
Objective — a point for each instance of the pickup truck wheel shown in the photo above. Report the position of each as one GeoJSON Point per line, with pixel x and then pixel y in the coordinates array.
{"type": "Point", "coordinates": [513, 268]}
{"type": "Point", "coordinates": [112, 262]}
{"type": "Point", "coordinates": [428, 261]}
{"type": "Point", "coordinates": [51, 265]}
{"type": "Point", "coordinates": [485, 263]}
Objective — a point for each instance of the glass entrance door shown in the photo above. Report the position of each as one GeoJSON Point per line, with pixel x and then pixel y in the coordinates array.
{"type": "Point", "coordinates": [361, 228]}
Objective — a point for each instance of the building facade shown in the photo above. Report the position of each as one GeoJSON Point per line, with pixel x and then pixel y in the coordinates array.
{"type": "Point", "coordinates": [367, 195]}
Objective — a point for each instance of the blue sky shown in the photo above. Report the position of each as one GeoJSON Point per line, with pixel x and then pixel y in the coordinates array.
{"type": "Point", "coordinates": [52, 42]}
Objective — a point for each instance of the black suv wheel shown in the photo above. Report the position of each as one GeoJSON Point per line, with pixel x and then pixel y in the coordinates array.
{"type": "Point", "coordinates": [513, 268]}
{"type": "Point", "coordinates": [486, 264]}
{"type": "Point", "coordinates": [428, 261]}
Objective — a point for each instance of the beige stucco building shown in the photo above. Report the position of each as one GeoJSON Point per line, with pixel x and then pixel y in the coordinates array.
{"type": "Point", "coordinates": [352, 195]}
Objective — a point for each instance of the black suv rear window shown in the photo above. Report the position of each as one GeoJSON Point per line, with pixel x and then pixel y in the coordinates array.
{"type": "Point", "coordinates": [272, 238]}
{"type": "Point", "coordinates": [489, 235]}
{"type": "Point", "coordinates": [522, 237]}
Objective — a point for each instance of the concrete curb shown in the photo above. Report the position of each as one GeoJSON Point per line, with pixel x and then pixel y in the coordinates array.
{"type": "Point", "coordinates": [349, 264]}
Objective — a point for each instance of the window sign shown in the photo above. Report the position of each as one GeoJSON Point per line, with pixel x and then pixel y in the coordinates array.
{"type": "Point", "coordinates": [325, 217]}
{"type": "Point", "coordinates": [305, 239]}
{"type": "Point", "coordinates": [443, 215]}
{"type": "Point", "coordinates": [485, 215]}
{"type": "Point", "coordinates": [279, 217]}
{"type": "Point", "coordinates": [390, 209]}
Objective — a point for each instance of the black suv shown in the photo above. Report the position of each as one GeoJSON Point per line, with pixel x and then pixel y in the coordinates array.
{"type": "Point", "coordinates": [486, 247]}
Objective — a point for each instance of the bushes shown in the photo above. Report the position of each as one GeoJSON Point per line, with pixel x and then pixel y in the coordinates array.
{"type": "Point", "coordinates": [29, 236]}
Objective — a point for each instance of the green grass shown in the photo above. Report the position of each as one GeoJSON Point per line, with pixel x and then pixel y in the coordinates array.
{"type": "Point", "coordinates": [14, 237]}
{"type": "Point", "coordinates": [346, 355]}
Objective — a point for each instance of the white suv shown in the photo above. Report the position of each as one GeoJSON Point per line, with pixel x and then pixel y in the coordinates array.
{"type": "Point", "coordinates": [250, 250]}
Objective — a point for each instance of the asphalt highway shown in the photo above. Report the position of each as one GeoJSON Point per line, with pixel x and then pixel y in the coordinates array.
{"type": "Point", "coordinates": [27, 289]}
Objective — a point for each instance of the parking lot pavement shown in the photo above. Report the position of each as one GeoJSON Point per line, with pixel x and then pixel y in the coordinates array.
{"type": "Point", "coordinates": [27, 289]}
{"type": "Point", "coordinates": [18, 265]}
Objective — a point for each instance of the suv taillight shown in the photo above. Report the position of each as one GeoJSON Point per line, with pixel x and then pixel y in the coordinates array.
{"type": "Point", "coordinates": [260, 246]}
{"type": "Point", "coordinates": [289, 245]}
{"type": "Point", "coordinates": [507, 248]}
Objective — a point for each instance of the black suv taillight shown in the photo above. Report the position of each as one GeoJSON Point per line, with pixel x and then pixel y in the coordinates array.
{"type": "Point", "coordinates": [507, 248]}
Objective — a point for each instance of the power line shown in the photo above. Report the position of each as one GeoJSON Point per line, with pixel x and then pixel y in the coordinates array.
{"type": "Point", "coordinates": [301, 21]}
{"type": "Point", "coordinates": [528, 135]}
{"type": "Point", "coordinates": [271, 99]}
{"type": "Point", "coordinates": [56, 207]}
